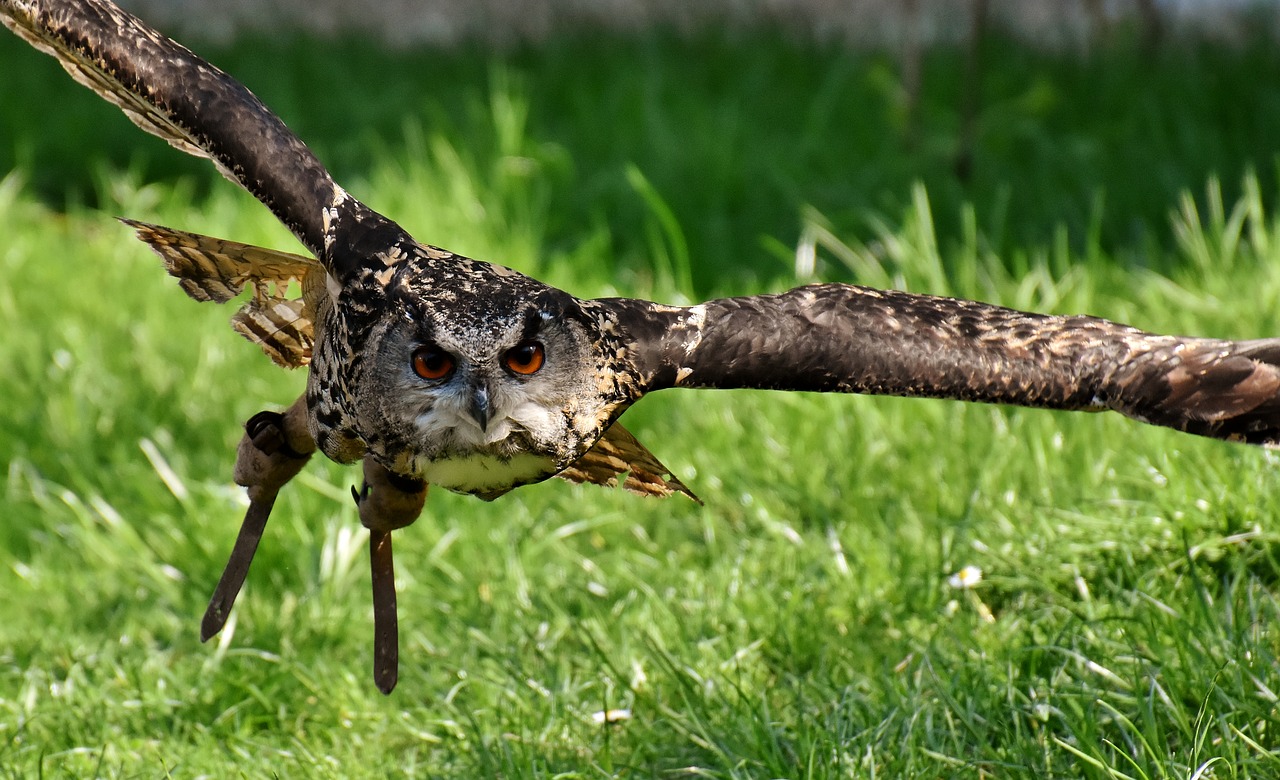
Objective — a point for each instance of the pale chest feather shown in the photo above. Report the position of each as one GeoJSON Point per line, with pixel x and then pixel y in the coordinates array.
{"type": "Point", "coordinates": [487, 476]}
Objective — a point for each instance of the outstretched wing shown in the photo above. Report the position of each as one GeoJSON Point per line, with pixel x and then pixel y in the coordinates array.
{"type": "Point", "coordinates": [845, 338]}
{"type": "Point", "coordinates": [170, 92]}
{"type": "Point", "coordinates": [214, 269]}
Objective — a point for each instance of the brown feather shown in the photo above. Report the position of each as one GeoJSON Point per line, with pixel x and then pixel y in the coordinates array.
{"type": "Point", "coordinates": [844, 338]}
{"type": "Point", "coordinates": [279, 327]}
{"type": "Point", "coordinates": [1223, 389]}
{"type": "Point", "coordinates": [619, 453]}
{"type": "Point", "coordinates": [217, 270]}
{"type": "Point", "coordinates": [168, 91]}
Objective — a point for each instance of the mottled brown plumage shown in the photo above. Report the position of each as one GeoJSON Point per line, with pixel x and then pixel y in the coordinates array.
{"type": "Point", "coordinates": [435, 368]}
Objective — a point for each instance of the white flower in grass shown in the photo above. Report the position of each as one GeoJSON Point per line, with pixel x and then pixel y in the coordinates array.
{"type": "Point", "coordinates": [611, 716]}
{"type": "Point", "coordinates": [966, 578]}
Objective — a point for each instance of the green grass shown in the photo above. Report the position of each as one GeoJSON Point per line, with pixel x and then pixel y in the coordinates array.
{"type": "Point", "coordinates": [800, 624]}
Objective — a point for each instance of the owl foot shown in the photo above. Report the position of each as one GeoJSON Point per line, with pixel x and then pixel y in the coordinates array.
{"type": "Point", "coordinates": [386, 501]}
{"type": "Point", "coordinates": [273, 450]}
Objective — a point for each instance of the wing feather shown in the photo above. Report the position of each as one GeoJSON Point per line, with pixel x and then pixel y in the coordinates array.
{"type": "Point", "coordinates": [845, 338]}
{"type": "Point", "coordinates": [170, 92]}
{"type": "Point", "coordinates": [217, 270]}
{"type": "Point", "coordinates": [280, 327]}
{"type": "Point", "coordinates": [88, 73]}
{"type": "Point", "coordinates": [619, 454]}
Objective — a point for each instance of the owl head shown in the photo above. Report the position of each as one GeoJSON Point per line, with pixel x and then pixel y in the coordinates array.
{"type": "Point", "coordinates": [479, 387]}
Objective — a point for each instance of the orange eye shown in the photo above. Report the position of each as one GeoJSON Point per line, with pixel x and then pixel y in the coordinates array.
{"type": "Point", "coordinates": [524, 358]}
{"type": "Point", "coordinates": [431, 362]}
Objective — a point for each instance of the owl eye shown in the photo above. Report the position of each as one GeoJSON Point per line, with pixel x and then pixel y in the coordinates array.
{"type": "Point", "coordinates": [431, 362]}
{"type": "Point", "coordinates": [524, 358]}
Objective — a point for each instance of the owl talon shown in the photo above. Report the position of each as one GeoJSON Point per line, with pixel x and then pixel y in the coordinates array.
{"type": "Point", "coordinates": [388, 501]}
{"type": "Point", "coordinates": [274, 448]}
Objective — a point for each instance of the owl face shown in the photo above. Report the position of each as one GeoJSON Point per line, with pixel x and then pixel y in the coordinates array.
{"type": "Point", "coordinates": [479, 394]}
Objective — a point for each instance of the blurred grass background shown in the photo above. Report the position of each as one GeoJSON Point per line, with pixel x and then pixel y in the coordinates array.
{"type": "Point", "coordinates": [803, 623]}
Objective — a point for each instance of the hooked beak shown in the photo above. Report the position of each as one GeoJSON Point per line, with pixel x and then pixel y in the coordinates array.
{"type": "Point", "coordinates": [479, 407]}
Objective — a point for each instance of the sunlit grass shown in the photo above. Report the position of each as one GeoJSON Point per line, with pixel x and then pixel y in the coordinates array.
{"type": "Point", "coordinates": [801, 624]}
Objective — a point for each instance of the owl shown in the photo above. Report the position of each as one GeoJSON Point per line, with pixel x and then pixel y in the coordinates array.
{"type": "Point", "coordinates": [431, 368]}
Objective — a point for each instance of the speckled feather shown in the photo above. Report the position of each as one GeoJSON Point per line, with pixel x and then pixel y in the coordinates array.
{"type": "Point", "coordinates": [846, 338]}
{"type": "Point", "coordinates": [218, 270]}
{"type": "Point", "coordinates": [170, 92]}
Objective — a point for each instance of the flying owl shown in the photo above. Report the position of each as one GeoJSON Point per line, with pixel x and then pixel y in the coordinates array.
{"type": "Point", "coordinates": [432, 368]}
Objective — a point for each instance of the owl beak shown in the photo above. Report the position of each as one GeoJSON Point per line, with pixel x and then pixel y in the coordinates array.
{"type": "Point", "coordinates": [479, 407]}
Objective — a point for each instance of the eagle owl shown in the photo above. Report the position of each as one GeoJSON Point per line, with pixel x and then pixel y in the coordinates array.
{"type": "Point", "coordinates": [432, 368]}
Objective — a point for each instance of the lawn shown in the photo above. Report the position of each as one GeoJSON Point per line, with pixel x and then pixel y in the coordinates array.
{"type": "Point", "coordinates": [808, 620]}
